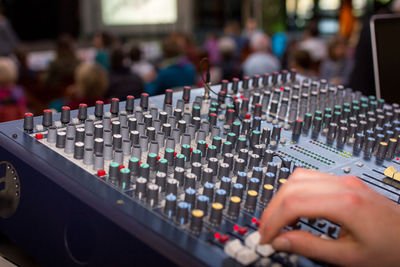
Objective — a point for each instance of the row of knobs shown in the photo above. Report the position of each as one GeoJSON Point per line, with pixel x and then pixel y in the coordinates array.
{"type": "Point", "coordinates": [189, 181]}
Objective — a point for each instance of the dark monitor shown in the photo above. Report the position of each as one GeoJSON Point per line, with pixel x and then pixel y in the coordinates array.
{"type": "Point", "coordinates": [385, 34]}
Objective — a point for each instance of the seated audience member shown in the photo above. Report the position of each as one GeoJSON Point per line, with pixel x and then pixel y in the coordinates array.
{"type": "Point", "coordinates": [12, 98]}
{"type": "Point", "coordinates": [103, 42]}
{"type": "Point", "coordinates": [176, 70]}
{"type": "Point", "coordinates": [302, 62]}
{"type": "Point", "coordinates": [140, 66]}
{"type": "Point", "coordinates": [211, 47]}
{"type": "Point", "coordinates": [261, 60]}
{"type": "Point", "coordinates": [337, 67]}
{"type": "Point", "coordinates": [60, 74]}
{"type": "Point", "coordinates": [122, 81]}
{"type": "Point", "coordinates": [91, 83]}
{"type": "Point", "coordinates": [229, 65]}
{"type": "Point", "coordinates": [314, 45]}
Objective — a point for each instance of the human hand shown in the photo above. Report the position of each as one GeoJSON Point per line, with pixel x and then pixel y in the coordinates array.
{"type": "Point", "coordinates": [370, 234]}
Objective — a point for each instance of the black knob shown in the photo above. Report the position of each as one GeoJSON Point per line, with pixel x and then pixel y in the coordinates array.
{"type": "Point", "coordinates": [267, 192]}
{"type": "Point", "coordinates": [47, 118]}
{"type": "Point", "coordinates": [130, 104]}
{"type": "Point", "coordinates": [251, 200]}
{"type": "Point", "coordinates": [60, 140]}
{"type": "Point", "coordinates": [82, 112]}
{"type": "Point", "coordinates": [28, 122]}
{"type": "Point", "coordinates": [152, 194]}
{"type": "Point", "coordinates": [78, 150]}
{"type": "Point", "coordinates": [65, 114]}
{"type": "Point", "coordinates": [144, 101]}
{"type": "Point", "coordinates": [202, 203]}
{"type": "Point", "coordinates": [99, 109]}
{"type": "Point", "coordinates": [234, 207]}
{"type": "Point", "coordinates": [114, 109]}
{"type": "Point", "coordinates": [168, 96]}
{"type": "Point", "coordinates": [237, 190]}
{"type": "Point", "coordinates": [216, 213]}
{"type": "Point", "coordinates": [276, 133]}
{"type": "Point", "coordinates": [298, 124]}
{"type": "Point", "coordinates": [170, 205]}
{"type": "Point", "coordinates": [196, 222]}
{"type": "Point", "coordinates": [186, 94]}
{"type": "Point", "coordinates": [141, 187]}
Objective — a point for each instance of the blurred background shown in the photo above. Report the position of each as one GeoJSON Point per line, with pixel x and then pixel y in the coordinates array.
{"type": "Point", "coordinates": [67, 52]}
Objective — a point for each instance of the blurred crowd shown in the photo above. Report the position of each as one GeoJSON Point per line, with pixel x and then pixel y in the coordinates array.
{"type": "Point", "coordinates": [119, 69]}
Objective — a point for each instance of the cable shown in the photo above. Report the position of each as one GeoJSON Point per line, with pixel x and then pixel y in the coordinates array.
{"type": "Point", "coordinates": [207, 81]}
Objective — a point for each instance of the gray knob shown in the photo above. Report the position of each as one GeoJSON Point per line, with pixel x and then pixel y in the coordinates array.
{"type": "Point", "coordinates": [88, 156]}
{"type": "Point", "coordinates": [69, 145]}
{"type": "Point", "coordinates": [61, 139]}
{"type": "Point", "coordinates": [98, 162]}
{"type": "Point", "coordinates": [52, 135]}
{"type": "Point", "coordinates": [78, 150]}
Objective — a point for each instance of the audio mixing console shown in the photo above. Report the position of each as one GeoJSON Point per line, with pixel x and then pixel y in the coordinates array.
{"type": "Point", "coordinates": [183, 177]}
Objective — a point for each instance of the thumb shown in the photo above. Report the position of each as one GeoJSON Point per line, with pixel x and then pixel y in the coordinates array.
{"type": "Point", "coordinates": [306, 244]}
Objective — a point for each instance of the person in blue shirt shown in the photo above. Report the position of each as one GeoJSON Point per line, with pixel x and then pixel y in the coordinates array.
{"type": "Point", "coordinates": [176, 70]}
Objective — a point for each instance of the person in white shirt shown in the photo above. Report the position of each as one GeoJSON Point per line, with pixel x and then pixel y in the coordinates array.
{"type": "Point", "coordinates": [261, 60]}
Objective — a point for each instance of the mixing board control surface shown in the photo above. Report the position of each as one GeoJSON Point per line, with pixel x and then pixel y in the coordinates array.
{"type": "Point", "coordinates": [198, 173]}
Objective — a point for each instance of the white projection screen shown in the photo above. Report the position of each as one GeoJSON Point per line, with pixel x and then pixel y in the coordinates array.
{"type": "Point", "coordinates": [138, 12]}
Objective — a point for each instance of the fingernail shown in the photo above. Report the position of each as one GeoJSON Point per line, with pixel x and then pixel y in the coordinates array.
{"type": "Point", "coordinates": [281, 243]}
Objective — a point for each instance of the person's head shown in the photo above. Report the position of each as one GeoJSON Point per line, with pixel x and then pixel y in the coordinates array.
{"type": "Point", "coordinates": [337, 48]}
{"type": "Point", "coordinates": [171, 47]}
{"type": "Point", "coordinates": [226, 47]}
{"type": "Point", "coordinates": [311, 29]}
{"type": "Point", "coordinates": [260, 42]}
{"type": "Point", "coordinates": [117, 59]}
{"type": "Point", "coordinates": [251, 24]}
{"type": "Point", "coordinates": [65, 47]}
{"type": "Point", "coordinates": [91, 80]}
{"type": "Point", "coordinates": [103, 40]}
{"type": "Point", "coordinates": [302, 60]}
{"type": "Point", "coordinates": [8, 72]}
{"type": "Point", "coordinates": [135, 54]}
{"type": "Point", "coordinates": [232, 28]}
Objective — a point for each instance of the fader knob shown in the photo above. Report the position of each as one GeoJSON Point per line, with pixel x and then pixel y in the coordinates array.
{"type": "Point", "coordinates": [65, 114]}
{"type": "Point", "coordinates": [82, 112]}
{"type": "Point", "coordinates": [99, 109]}
{"type": "Point", "coordinates": [28, 122]}
{"type": "Point", "coordinates": [234, 207]}
{"type": "Point", "coordinates": [276, 133]}
{"type": "Point", "coordinates": [60, 140]}
{"type": "Point", "coordinates": [182, 212]}
{"type": "Point", "coordinates": [251, 200]}
{"type": "Point", "coordinates": [186, 94]}
{"type": "Point", "coordinates": [196, 222]}
{"type": "Point", "coordinates": [130, 104]}
{"type": "Point", "coordinates": [170, 205]}
{"type": "Point", "coordinates": [168, 96]}
{"type": "Point", "coordinates": [144, 101]}
{"type": "Point", "coordinates": [267, 192]}
{"type": "Point", "coordinates": [297, 127]}
{"type": "Point", "coordinates": [47, 118]}
{"type": "Point", "coordinates": [216, 213]}
{"type": "Point", "coordinates": [114, 109]}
